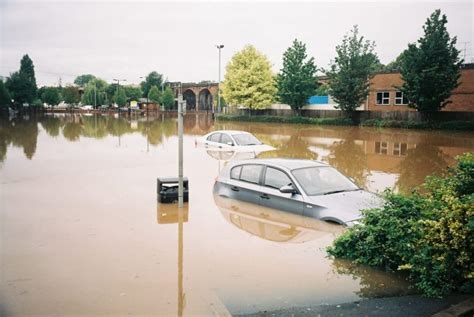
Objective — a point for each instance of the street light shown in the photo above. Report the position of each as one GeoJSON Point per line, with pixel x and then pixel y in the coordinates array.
{"type": "Point", "coordinates": [219, 47]}
{"type": "Point", "coordinates": [118, 85]}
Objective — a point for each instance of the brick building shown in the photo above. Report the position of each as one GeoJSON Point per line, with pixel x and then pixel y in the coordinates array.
{"type": "Point", "coordinates": [384, 96]}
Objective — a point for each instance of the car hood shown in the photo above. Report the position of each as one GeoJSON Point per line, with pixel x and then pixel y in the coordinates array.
{"type": "Point", "coordinates": [346, 206]}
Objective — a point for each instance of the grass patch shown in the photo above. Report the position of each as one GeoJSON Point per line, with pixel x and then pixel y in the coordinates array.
{"type": "Point", "coordinates": [410, 124]}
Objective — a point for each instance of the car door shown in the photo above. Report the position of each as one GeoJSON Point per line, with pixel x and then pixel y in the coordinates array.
{"type": "Point", "coordinates": [272, 180]}
{"type": "Point", "coordinates": [213, 140]}
{"type": "Point", "coordinates": [244, 183]}
{"type": "Point", "coordinates": [226, 141]}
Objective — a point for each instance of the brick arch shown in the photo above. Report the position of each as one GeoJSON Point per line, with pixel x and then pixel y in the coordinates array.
{"type": "Point", "coordinates": [209, 89]}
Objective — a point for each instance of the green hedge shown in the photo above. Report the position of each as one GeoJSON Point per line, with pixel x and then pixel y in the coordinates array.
{"type": "Point", "coordinates": [381, 123]}
{"type": "Point", "coordinates": [410, 124]}
{"type": "Point", "coordinates": [288, 119]}
{"type": "Point", "coordinates": [428, 233]}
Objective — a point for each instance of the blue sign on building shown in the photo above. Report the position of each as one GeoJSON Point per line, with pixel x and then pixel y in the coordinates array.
{"type": "Point", "coordinates": [318, 100]}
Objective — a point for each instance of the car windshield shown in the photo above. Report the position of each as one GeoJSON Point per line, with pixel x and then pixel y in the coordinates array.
{"type": "Point", "coordinates": [323, 180]}
{"type": "Point", "coordinates": [246, 139]}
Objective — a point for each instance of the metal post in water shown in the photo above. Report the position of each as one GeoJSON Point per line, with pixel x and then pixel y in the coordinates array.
{"type": "Point", "coordinates": [180, 150]}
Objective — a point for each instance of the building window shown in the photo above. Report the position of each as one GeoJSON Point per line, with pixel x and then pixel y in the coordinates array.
{"type": "Point", "coordinates": [381, 147]}
{"type": "Point", "coordinates": [400, 149]}
{"type": "Point", "coordinates": [400, 99]}
{"type": "Point", "coordinates": [383, 98]}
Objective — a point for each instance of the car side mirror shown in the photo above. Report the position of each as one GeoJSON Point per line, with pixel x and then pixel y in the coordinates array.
{"type": "Point", "coordinates": [230, 143]}
{"type": "Point", "coordinates": [287, 189]}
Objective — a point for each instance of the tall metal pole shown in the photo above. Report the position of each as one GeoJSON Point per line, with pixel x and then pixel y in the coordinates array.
{"type": "Point", "coordinates": [219, 47]}
{"type": "Point", "coordinates": [180, 149]}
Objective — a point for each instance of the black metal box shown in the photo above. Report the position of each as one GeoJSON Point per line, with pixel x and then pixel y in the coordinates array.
{"type": "Point", "coordinates": [167, 189]}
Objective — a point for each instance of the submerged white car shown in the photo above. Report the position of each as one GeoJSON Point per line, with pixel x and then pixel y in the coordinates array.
{"type": "Point", "coordinates": [233, 140]}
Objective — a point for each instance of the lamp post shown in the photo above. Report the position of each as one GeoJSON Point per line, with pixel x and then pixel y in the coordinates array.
{"type": "Point", "coordinates": [219, 47]}
{"type": "Point", "coordinates": [118, 86]}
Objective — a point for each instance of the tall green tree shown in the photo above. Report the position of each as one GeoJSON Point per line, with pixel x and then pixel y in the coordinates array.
{"type": "Point", "coordinates": [431, 69]}
{"type": "Point", "coordinates": [5, 98]}
{"type": "Point", "coordinates": [70, 95]}
{"type": "Point", "coordinates": [95, 93]}
{"type": "Point", "coordinates": [396, 64]}
{"type": "Point", "coordinates": [249, 80]}
{"type": "Point", "coordinates": [351, 70]}
{"type": "Point", "coordinates": [51, 96]}
{"type": "Point", "coordinates": [133, 93]}
{"type": "Point", "coordinates": [297, 81]}
{"type": "Point", "coordinates": [152, 79]}
{"type": "Point", "coordinates": [83, 80]}
{"type": "Point", "coordinates": [120, 97]}
{"type": "Point", "coordinates": [154, 95]}
{"type": "Point", "coordinates": [22, 84]}
{"type": "Point", "coordinates": [167, 100]}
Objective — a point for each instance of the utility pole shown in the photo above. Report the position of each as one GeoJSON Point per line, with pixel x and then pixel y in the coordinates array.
{"type": "Point", "coordinates": [219, 47]}
{"type": "Point", "coordinates": [180, 148]}
{"type": "Point", "coordinates": [118, 86]}
{"type": "Point", "coordinates": [95, 95]}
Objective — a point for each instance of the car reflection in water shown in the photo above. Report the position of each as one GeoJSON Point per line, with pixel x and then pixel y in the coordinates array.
{"type": "Point", "coordinates": [272, 224]}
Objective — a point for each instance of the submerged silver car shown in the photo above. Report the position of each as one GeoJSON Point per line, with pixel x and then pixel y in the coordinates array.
{"type": "Point", "coordinates": [304, 187]}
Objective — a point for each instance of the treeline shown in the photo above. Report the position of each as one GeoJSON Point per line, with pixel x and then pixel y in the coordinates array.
{"type": "Point", "coordinates": [429, 68]}
{"type": "Point", "coordinates": [20, 90]}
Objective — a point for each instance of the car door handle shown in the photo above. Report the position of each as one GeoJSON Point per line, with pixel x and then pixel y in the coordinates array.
{"type": "Point", "coordinates": [235, 188]}
{"type": "Point", "coordinates": [264, 196]}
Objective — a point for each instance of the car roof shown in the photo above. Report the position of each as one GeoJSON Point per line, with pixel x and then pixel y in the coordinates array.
{"type": "Point", "coordinates": [290, 164]}
{"type": "Point", "coordinates": [232, 132]}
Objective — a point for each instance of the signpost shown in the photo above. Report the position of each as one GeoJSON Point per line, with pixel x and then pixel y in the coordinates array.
{"type": "Point", "coordinates": [180, 149]}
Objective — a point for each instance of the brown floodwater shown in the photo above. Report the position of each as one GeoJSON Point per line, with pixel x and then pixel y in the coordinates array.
{"type": "Point", "coordinates": [82, 232]}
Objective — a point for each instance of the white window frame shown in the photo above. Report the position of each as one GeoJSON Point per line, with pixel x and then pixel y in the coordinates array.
{"type": "Point", "coordinates": [399, 100]}
{"type": "Point", "coordinates": [383, 98]}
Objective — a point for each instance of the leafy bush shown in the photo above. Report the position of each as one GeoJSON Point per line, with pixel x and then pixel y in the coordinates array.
{"type": "Point", "coordinates": [411, 124]}
{"type": "Point", "coordinates": [428, 233]}
{"type": "Point", "coordinates": [288, 119]}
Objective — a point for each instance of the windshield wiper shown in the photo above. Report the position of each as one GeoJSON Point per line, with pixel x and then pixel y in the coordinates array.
{"type": "Point", "coordinates": [341, 190]}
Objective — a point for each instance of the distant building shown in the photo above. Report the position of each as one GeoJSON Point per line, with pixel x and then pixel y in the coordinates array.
{"type": "Point", "coordinates": [385, 96]}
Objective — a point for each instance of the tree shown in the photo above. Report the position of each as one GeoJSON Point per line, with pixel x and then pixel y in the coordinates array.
{"type": "Point", "coordinates": [297, 79]}
{"type": "Point", "coordinates": [51, 96]}
{"type": "Point", "coordinates": [22, 84]}
{"type": "Point", "coordinates": [154, 95]}
{"type": "Point", "coordinates": [322, 90]}
{"type": "Point", "coordinates": [5, 98]}
{"type": "Point", "coordinates": [82, 80]}
{"type": "Point", "coordinates": [95, 92]}
{"type": "Point", "coordinates": [351, 70]}
{"type": "Point", "coordinates": [133, 93]}
{"type": "Point", "coordinates": [167, 100]}
{"type": "Point", "coordinates": [395, 65]}
{"type": "Point", "coordinates": [120, 97]}
{"type": "Point", "coordinates": [249, 80]}
{"type": "Point", "coordinates": [71, 95]}
{"type": "Point", "coordinates": [152, 79]}
{"type": "Point", "coordinates": [431, 70]}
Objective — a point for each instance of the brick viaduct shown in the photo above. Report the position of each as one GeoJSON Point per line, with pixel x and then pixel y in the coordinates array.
{"type": "Point", "coordinates": [199, 97]}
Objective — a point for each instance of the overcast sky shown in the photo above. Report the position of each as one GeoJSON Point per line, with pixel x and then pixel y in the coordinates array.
{"type": "Point", "coordinates": [128, 39]}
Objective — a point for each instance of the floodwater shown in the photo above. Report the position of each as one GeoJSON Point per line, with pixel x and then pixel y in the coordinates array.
{"type": "Point", "coordinates": [82, 232]}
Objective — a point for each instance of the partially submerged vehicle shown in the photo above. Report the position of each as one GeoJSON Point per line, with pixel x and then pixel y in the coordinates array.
{"type": "Point", "coordinates": [304, 187]}
{"type": "Point", "coordinates": [233, 140]}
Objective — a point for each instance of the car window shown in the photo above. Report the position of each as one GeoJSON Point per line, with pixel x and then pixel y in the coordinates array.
{"type": "Point", "coordinates": [235, 172]}
{"type": "Point", "coordinates": [322, 180]}
{"type": "Point", "coordinates": [275, 178]}
{"type": "Point", "coordinates": [246, 139]}
{"type": "Point", "coordinates": [226, 139]}
{"type": "Point", "coordinates": [251, 173]}
{"type": "Point", "coordinates": [215, 137]}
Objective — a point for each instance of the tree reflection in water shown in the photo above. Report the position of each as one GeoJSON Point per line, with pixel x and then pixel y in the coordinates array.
{"type": "Point", "coordinates": [350, 159]}
{"type": "Point", "coordinates": [295, 147]}
{"type": "Point", "coordinates": [373, 282]}
{"type": "Point", "coordinates": [20, 132]}
{"type": "Point", "coordinates": [421, 161]}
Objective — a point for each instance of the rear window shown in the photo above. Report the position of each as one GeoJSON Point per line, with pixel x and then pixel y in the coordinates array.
{"type": "Point", "coordinates": [251, 173]}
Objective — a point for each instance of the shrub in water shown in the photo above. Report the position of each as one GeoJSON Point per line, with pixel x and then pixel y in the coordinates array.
{"type": "Point", "coordinates": [428, 233]}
